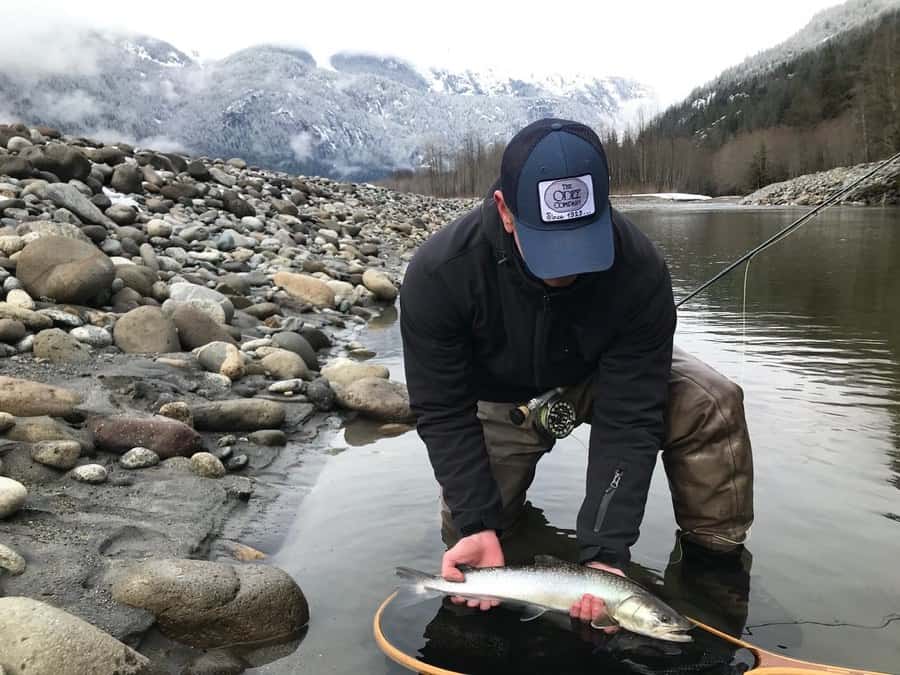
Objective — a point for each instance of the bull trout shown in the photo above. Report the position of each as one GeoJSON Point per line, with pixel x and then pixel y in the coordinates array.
{"type": "Point", "coordinates": [555, 585]}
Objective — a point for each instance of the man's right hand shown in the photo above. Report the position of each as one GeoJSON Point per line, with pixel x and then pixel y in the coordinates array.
{"type": "Point", "coordinates": [481, 549]}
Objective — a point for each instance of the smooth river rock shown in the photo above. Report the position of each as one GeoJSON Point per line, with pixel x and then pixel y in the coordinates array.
{"type": "Point", "coordinates": [377, 398]}
{"type": "Point", "coordinates": [12, 496]}
{"type": "Point", "coordinates": [57, 454]}
{"type": "Point", "coordinates": [342, 371]}
{"type": "Point", "coordinates": [139, 458]}
{"type": "Point", "coordinates": [57, 346]}
{"type": "Point", "coordinates": [306, 288]}
{"type": "Point", "coordinates": [223, 358]}
{"type": "Point", "coordinates": [196, 328]}
{"type": "Point", "coordinates": [210, 604]}
{"type": "Point", "coordinates": [39, 639]}
{"type": "Point", "coordinates": [65, 270]}
{"type": "Point", "coordinates": [380, 284]}
{"type": "Point", "coordinates": [93, 474]}
{"type": "Point", "coordinates": [24, 398]}
{"type": "Point", "coordinates": [207, 465]}
{"type": "Point", "coordinates": [164, 436]}
{"type": "Point", "coordinates": [146, 330]}
{"type": "Point", "coordinates": [12, 562]}
{"type": "Point", "coordinates": [238, 415]}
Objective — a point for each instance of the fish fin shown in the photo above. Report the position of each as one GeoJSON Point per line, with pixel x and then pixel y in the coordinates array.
{"type": "Point", "coordinates": [412, 576]}
{"type": "Point", "coordinates": [408, 596]}
{"type": "Point", "coordinates": [413, 588]}
{"type": "Point", "coordinates": [532, 612]}
{"type": "Point", "coordinates": [542, 560]}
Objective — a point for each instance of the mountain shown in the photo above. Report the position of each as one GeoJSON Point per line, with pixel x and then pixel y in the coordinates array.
{"type": "Point", "coordinates": [829, 96]}
{"type": "Point", "coordinates": [360, 116]}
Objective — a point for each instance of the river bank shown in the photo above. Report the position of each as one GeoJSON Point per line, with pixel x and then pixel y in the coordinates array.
{"type": "Point", "coordinates": [166, 330]}
{"type": "Point", "coordinates": [813, 189]}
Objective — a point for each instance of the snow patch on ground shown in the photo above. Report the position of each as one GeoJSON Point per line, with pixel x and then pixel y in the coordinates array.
{"type": "Point", "coordinates": [674, 196]}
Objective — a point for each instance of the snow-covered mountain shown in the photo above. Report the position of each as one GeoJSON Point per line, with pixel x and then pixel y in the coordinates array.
{"type": "Point", "coordinates": [361, 116]}
{"type": "Point", "coordinates": [823, 26]}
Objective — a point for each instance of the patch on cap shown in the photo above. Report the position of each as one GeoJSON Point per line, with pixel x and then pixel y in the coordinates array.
{"type": "Point", "coordinates": [566, 198]}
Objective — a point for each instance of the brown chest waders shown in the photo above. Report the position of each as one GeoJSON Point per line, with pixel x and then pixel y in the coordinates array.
{"type": "Point", "coordinates": [706, 452]}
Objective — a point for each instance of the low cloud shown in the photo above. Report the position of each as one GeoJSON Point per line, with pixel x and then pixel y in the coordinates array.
{"type": "Point", "coordinates": [302, 146]}
{"type": "Point", "coordinates": [41, 46]}
{"type": "Point", "coordinates": [71, 108]}
{"type": "Point", "coordinates": [163, 144]}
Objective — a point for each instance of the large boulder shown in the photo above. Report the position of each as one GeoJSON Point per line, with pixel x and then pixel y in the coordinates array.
{"type": "Point", "coordinates": [238, 415]}
{"type": "Point", "coordinates": [68, 197]}
{"type": "Point", "coordinates": [196, 328]}
{"type": "Point", "coordinates": [306, 288]}
{"type": "Point", "coordinates": [211, 604]}
{"type": "Point", "coordinates": [63, 161]}
{"type": "Point", "coordinates": [164, 436]}
{"type": "Point", "coordinates": [37, 638]}
{"type": "Point", "coordinates": [377, 398]}
{"type": "Point", "coordinates": [146, 330]}
{"type": "Point", "coordinates": [65, 270]}
{"type": "Point", "coordinates": [24, 398]}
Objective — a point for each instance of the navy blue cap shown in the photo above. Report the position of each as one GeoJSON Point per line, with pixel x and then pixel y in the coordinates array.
{"type": "Point", "coordinates": [555, 179]}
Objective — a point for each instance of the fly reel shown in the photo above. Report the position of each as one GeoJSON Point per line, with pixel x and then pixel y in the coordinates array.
{"type": "Point", "coordinates": [549, 413]}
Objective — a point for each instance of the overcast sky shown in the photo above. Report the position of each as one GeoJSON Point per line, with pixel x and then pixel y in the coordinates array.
{"type": "Point", "coordinates": [672, 46]}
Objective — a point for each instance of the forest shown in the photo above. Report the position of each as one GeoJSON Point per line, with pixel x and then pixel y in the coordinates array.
{"type": "Point", "coordinates": [835, 105]}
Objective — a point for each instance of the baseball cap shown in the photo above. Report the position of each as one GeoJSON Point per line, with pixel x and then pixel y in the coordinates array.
{"type": "Point", "coordinates": [555, 179]}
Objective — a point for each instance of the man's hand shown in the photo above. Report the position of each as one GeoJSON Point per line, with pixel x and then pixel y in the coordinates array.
{"type": "Point", "coordinates": [593, 609]}
{"type": "Point", "coordinates": [478, 550]}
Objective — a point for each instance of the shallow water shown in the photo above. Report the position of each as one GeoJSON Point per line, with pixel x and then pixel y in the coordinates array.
{"type": "Point", "coordinates": [818, 354]}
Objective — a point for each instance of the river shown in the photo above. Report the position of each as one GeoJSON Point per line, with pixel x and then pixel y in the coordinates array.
{"type": "Point", "coordinates": [818, 354]}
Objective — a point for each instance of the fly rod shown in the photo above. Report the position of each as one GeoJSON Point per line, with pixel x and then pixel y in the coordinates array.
{"type": "Point", "coordinates": [778, 236]}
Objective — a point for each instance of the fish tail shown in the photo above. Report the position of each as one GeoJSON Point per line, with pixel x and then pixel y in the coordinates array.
{"type": "Point", "coordinates": [414, 586]}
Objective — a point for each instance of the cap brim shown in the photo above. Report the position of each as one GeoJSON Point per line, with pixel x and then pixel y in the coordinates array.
{"type": "Point", "coordinates": [552, 253]}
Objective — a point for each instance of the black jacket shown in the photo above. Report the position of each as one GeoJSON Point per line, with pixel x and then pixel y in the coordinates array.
{"type": "Point", "coordinates": [477, 326]}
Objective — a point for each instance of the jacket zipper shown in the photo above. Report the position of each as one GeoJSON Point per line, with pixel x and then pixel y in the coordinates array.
{"type": "Point", "coordinates": [607, 498]}
{"type": "Point", "coordinates": [540, 340]}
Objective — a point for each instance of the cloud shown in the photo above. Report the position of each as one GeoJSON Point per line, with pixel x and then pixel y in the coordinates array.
{"type": "Point", "coordinates": [163, 144]}
{"type": "Point", "coordinates": [302, 146]}
{"type": "Point", "coordinates": [41, 46]}
{"type": "Point", "coordinates": [71, 108]}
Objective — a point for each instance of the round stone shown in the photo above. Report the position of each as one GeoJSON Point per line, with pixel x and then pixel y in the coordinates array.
{"type": "Point", "coordinates": [7, 422]}
{"type": "Point", "coordinates": [11, 561]}
{"type": "Point", "coordinates": [207, 465]}
{"type": "Point", "coordinates": [12, 496]}
{"type": "Point", "coordinates": [58, 454]}
{"type": "Point", "coordinates": [92, 335]}
{"type": "Point", "coordinates": [139, 458]}
{"type": "Point", "coordinates": [90, 473]}
{"type": "Point", "coordinates": [237, 463]}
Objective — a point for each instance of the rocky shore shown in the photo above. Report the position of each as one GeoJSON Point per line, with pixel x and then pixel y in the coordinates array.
{"type": "Point", "coordinates": [170, 329]}
{"type": "Point", "coordinates": [813, 189]}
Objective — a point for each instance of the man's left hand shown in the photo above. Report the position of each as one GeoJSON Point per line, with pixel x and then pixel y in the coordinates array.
{"type": "Point", "coordinates": [590, 608]}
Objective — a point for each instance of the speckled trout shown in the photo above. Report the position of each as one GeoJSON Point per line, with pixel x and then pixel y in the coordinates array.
{"type": "Point", "coordinates": [555, 585]}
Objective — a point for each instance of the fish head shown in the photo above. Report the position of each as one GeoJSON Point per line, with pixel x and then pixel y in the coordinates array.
{"type": "Point", "coordinates": [647, 615]}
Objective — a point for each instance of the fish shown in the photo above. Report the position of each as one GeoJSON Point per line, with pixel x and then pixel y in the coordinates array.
{"type": "Point", "coordinates": [552, 585]}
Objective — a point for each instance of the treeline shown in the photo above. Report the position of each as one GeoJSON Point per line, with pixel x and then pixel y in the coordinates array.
{"type": "Point", "coordinates": [836, 105]}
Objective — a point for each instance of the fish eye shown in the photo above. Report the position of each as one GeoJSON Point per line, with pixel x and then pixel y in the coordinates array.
{"type": "Point", "coordinates": [665, 618]}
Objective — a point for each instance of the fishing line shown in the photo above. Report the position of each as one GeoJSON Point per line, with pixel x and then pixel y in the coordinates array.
{"type": "Point", "coordinates": [781, 234]}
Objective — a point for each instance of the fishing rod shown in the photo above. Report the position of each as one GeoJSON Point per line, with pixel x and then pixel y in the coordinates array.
{"type": "Point", "coordinates": [778, 236]}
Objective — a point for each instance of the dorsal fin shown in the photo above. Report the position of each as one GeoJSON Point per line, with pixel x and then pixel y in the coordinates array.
{"type": "Point", "coordinates": [542, 560]}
